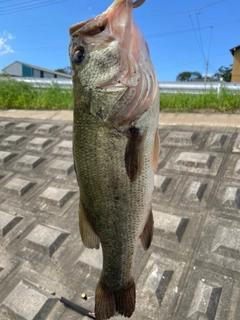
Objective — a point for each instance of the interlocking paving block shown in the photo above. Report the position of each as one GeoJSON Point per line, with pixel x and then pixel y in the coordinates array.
{"type": "Point", "coordinates": [175, 229]}
{"type": "Point", "coordinates": [13, 140]}
{"type": "Point", "coordinates": [221, 245]}
{"type": "Point", "coordinates": [62, 167]}
{"type": "Point", "coordinates": [157, 288]}
{"type": "Point", "coordinates": [4, 125]}
{"type": "Point", "coordinates": [227, 242]}
{"type": "Point", "coordinates": [45, 239]}
{"type": "Point", "coordinates": [228, 197]}
{"type": "Point", "coordinates": [161, 183]}
{"type": "Point", "coordinates": [28, 296]}
{"type": "Point", "coordinates": [24, 126]}
{"type": "Point", "coordinates": [92, 257]}
{"type": "Point", "coordinates": [172, 226]}
{"type": "Point", "coordinates": [205, 301]}
{"type": "Point", "coordinates": [67, 131]}
{"type": "Point", "coordinates": [35, 304]}
{"type": "Point", "coordinates": [7, 265]}
{"type": "Point", "coordinates": [180, 138]}
{"type": "Point", "coordinates": [233, 167]}
{"type": "Point", "coordinates": [46, 128]}
{"type": "Point", "coordinates": [231, 197]}
{"type": "Point", "coordinates": [196, 192]}
{"type": "Point", "coordinates": [56, 196]}
{"type": "Point", "coordinates": [64, 147]}
{"type": "Point", "coordinates": [5, 156]}
{"type": "Point", "coordinates": [218, 141]}
{"type": "Point", "coordinates": [206, 296]}
{"type": "Point", "coordinates": [7, 222]}
{"type": "Point", "coordinates": [165, 186]}
{"type": "Point", "coordinates": [236, 147]}
{"type": "Point", "coordinates": [29, 162]}
{"type": "Point", "coordinates": [195, 162]}
{"type": "Point", "coordinates": [39, 143]}
{"type": "Point", "coordinates": [18, 186]}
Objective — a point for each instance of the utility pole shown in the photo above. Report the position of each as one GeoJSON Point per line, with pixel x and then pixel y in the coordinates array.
{"type": "Point", "coordinates": [206, 75]}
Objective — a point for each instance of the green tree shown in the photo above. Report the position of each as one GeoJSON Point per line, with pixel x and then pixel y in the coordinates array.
{"type": "Point", "coordinates": [225, 73]}
{"type": "Point", "coordinates": [189, 76]}
{"type": "Point", "coordinates": [66, 70]}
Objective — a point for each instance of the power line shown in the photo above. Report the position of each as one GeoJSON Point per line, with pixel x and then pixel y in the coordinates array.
{"type": "Point", "coordinates": [180, 12]}
{"type": "Point", "coordinates": [200, 36]}
{"type": "Point", "coordinates": [210, 43]}
{"type": "Point", "coordinates": [192, 62]}
{"type": "Point", "coordinates": [195, 34]}
{"type": "Point", "coordinates": [15, 5]}
{"type": "Point", "coordinates": [24, 8]}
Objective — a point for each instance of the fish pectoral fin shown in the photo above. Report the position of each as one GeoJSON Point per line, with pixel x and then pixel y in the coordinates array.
{"type": "Point", "coordinates": [156, 150]}
{"type": "Point", "coordinates": [147, 233]}
{"type": "Point", "coordinates": [134, 153]}
{"type": "Point", "coordinates": [108, 302]}
{"type": "Point", "coordinates": [89, 238]}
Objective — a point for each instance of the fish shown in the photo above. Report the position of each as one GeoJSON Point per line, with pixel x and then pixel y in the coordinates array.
{"type": "Point", "coordinates": [115, 146]}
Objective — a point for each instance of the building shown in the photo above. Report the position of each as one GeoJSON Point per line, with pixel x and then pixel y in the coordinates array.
{"type": "Point", "coordinates": [20, 69]}
{"type": "Point", "coordinates": [236, 64]}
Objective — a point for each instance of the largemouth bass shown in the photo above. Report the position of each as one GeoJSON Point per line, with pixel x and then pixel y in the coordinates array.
{"type": "Point", "coordinates": [115, 146]}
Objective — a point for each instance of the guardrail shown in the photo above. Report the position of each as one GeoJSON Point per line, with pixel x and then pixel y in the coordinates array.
{"type": "Point", "coordinates": [166, 87]}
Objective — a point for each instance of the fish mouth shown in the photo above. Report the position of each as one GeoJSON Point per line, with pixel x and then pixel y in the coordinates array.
{"type": "Point", "coordinates": [119, 13]}
{"type": "Point", "coordinates": [90, 27]}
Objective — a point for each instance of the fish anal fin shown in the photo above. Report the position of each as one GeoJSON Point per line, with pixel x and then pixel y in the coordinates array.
{"type": "Point", "coordinates": [89, 238]}
{"type": "Point", "coordinates": [108, 302]}
{"type": "Point", "coordinates": [147, 233]}
{"type": "Point", "coordinates": [156, 150]}
{"type": "Point", "coordinates": [134, 153]}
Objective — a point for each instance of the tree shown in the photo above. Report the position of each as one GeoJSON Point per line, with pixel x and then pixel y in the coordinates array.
{"type": "Point", "coordinates": [66, 70]}
{"type": "Point", "coordinates": [225, 73]}
{"type": "Point", "coordinates": [189, 76]}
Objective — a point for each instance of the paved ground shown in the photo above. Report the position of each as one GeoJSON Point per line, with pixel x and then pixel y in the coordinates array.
{"type": "Point", "coordinates": [192, 269]}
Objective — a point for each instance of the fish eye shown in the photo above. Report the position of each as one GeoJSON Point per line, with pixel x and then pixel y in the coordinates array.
{"type": "Point", "coordinates": [78, 55]}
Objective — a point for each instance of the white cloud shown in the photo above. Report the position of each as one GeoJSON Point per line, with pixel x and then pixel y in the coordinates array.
{"type": "Point", "coordinates": [4, 46]}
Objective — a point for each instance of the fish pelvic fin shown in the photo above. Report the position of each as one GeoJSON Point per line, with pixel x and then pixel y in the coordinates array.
{"type": "Point", "coordinates": [156, 150]}
{"type": "Point", "coordinates": [147, 233]}
{"type": "Point", "coordinates": [134, 153]}
{"type": "Point", "coordinates": [89, 238]}
{"type": "Point", "coordinates": [108, 302]}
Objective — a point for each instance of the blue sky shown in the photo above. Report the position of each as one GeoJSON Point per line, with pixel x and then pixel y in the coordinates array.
{"type": "Point", "coordinates": [182, 34]}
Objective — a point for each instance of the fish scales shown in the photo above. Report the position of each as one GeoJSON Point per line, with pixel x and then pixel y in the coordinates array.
{"type": "Point", "coordinates": [108, 195]}
{"type": "Point", "coordinates": [115, 147]}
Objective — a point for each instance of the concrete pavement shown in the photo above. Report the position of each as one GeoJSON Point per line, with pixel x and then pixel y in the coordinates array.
{"type": "Point", "coordinates": [190, 119]}
{"type": "Point", "coordinates": [192, 270]}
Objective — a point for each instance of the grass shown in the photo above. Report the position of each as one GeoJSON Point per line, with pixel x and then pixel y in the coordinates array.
{"type": "Point", "coordinates": [226, 101]}
{"type": "Point", "coordinates": [21, 95]}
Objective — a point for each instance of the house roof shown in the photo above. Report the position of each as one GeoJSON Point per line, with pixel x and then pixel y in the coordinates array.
{"type": "Point", "coordinates": [234, 49]}
{"type": "Point", "coordinates": [41, 69]}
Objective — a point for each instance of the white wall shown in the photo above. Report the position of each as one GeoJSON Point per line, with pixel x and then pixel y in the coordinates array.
{"type": "Point", "coordinates": [36, 73]}
{"type": "Point", "coordinates": [48, 75]}
{"type": "Point", "coordinates": [15, 69]}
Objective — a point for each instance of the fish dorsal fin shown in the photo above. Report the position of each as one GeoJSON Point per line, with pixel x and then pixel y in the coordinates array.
{"type": "Point", "coordinates": [134, 153]}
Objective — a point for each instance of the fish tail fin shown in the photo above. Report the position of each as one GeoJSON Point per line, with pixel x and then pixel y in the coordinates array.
{"type": "Point", "coordinates": [89, 238]}
{"type": "Point", "coordinates": [108, 302]}
{"type": "Point", "coordinates": [147, 233]}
